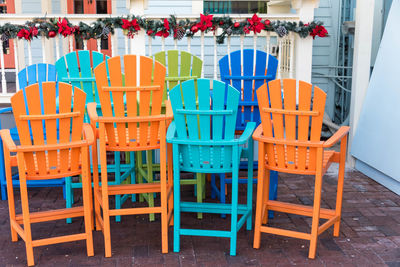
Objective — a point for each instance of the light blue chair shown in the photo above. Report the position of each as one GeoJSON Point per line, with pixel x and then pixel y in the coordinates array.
{"type": "Point", "coordinates": [36, 73]}
{"type": "Point", "coordinates": [203, 140]}
{"type": "Point", "coordinates": [77, 68]}
{"type": "Point", "coordinates": [246, 72]}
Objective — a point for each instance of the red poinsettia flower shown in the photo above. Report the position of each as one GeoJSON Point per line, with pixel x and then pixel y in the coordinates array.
{"type": "Point", "coordinates": [28, 34]}
{"type": "Point", "coordinates": [246, 29]}
{"type": "Point", "coordinates": [165, 32]}
{"type": "Point", "coordinates": [63, 27]}
{"type": "Point", "coordinates": [205, 22]}
{"type": "Point", "coordinates": [320, 31]}
{"type": "Point", "coordinates": [130, 25]}
{"type": "Point", "coordinates": [255, 24]}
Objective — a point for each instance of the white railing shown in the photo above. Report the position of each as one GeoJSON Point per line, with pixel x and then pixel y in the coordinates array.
{"type": "Point", "coordinates": [282, 48]}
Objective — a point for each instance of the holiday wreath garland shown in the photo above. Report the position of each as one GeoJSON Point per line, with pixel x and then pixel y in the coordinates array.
{"type": "Point", "coordinates": [131, 25]}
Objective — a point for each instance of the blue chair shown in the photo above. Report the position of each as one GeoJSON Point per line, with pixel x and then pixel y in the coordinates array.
{"type": "Point", "coordinates": [203, 141]}
{"type": "Point", "coordinates": [36, 73]}
{"type": "Point", "coordinates": [246, 72]}
{"type": "Point", "coordinates": [77, 68]}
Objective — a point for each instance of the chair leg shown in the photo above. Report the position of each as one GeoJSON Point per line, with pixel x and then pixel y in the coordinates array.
{"type": "Point", "coordinates": [339, 196]}
{"type": "Point", "coordinates": [104, 192]}
{"type": "Point", "coordinates": [163, 196]}
{"type": "Point", "coordinates": [25, 213]}
{"type": "Point", "coordinates": [177, 199]}
{"type": "Point", "coordinates": [263, 177]}
{"type": "Point", "coordinates": [139, 165]}
{"type": "Point", "coordinates": [199, 189]}
{"type": "Point", "coordinates": [117, 157]}
{"type": "Point", "coordinates": [10, 196]}
{"type": "Point", "coordinates": [250, 175]}
{"type": "Point", "coordinates": [235, 193]}
{"type": "Point", "coordinates": [96, 187]}
{"type": "Point", "coordinates": [266, 195]}
{"type": "Point", "coordinates": [317, 205]}
{"type": "Point", "coordinates": [150, 173]}
{"type": "Point", "coordinates": [86, 194]}
{"type": "Point", "coordinates": [212, 186]}
{"type": "Point", "coordinates": [222, 190]}
{"type": "Point", "coordinates": [69, 193]}
{"type": "Point", "coordinates": [133, 173]}
{"type": "Point", "coordinates": [170, 181]}
{"type": "Point", "coordinates": [203, 178]}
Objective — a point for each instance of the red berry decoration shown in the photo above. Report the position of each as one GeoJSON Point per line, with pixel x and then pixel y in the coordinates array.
{"type": "Point", "coordinates": [236, 25]}
{"type": "Point", "coordinates": [267, 22]}
{"type": "Point", "coordinates": [52, 34]}
{"type": "Point", "coordinates": [221, 23]}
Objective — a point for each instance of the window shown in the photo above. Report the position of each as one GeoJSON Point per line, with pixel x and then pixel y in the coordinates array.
{"type": "Point", "coordinates": [235, 7]}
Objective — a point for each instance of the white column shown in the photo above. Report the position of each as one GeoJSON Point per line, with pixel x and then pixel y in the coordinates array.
{"type": "Point", "coordinates": [305, 10]}
{"type": "Point", "coordinates": [361, 63]}
{"type": "Point", "coordinates": [138, 43]}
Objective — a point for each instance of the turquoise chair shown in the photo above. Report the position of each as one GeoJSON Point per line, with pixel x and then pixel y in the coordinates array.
{"type": "Point", "coordinates": [36, 73]}
{"type": "Point", "coordinates": [77, 68]}
{"type": "Point", "coordinates": [203, 141]}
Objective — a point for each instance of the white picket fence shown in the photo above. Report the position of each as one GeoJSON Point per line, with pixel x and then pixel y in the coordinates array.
{"type": "Point", "coordinates": [267, 41]}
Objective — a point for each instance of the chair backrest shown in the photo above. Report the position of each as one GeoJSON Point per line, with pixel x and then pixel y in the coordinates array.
{"type": "Point", "coordinates": [77, 68]}
{"type": "Point", "coordinates": [207, 116]}
{"type": "Point", "coordinates": [181, 66]}
{"type": "Point", "coordinates": [246, 72]}
{"type": "Point", "coordinates": [282, 120]}
{"type": "Point", "coordinates": [47, 164]}
{"type": "Point", "coordinates": [130, 100]}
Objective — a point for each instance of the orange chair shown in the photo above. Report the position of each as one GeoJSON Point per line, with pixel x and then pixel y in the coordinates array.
{"type": "Point", "coordinates": [134, 126]}
{"type": "Point", "coordinates": [46, 153]}
{"type": "Point", "coordinates": [287, 146]}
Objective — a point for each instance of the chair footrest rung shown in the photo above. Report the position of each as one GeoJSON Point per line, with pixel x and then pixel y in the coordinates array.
{"type": "Point", "coordinates": [135, 211]}
{"type": "Point", "coordinates": [134, 189]}
{"type": "Point", "coordinates": [52, 215]}
{"type": "Point", "coordinates": [59, 239]}
{"type": "Point", "coordinates": [199, 232]}
{"type": "Point", "coordinates": [298, 209]}
{"type": "Point", "coordinates": [278, 231]}
{"type": "Point", "coordinates": [211, 207]}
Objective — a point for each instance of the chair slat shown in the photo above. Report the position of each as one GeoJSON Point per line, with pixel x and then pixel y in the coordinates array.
{"type": "Point", "coordinates": [189, 98]}
{"type": "Point", "coordinates": [186, 64]}
{"type": "Point", "coordinates": [173, 61]}
{"type": "Point", "coordinates": [77, 123]}
{"type": "Point", "coordinates": [19, 108]}
{"type": "Point", "coordinates": [146, 67]}
{"type": "Point", "coordinates": [319, 100]}
{"type": "Point", "coordinates": [264, 101]}
{"type": "Point", "coordinates": [65, 100]}
{"type": "Point", "coordinates": [218, 103]}
{"type": "Point", "coordinates": [114, 68]}
{"type": "Point", "coordinates": [160, 57]}
{"type": "Point", "coordinates": [106, 107]}
{"type": "Point", "coordinates": [261, 62]}
{"type": "Point", "coordinates": [305, 91]}
{"type": "Point", "coordinates": [131, 97]}
{"type": "Point", "coordinates": [73, 68]}
{"type": "Point", "coordinates": [248, 70]}
{"type": "Point", "coordinates": [289, 92]}
{"type": "Point", "coordinates": [34, 105]}
{"type": "Point", "coordinates": [278, 129]}
{"type": "Point", "coordinates": [86, 72]}
{"type": "Point", "coordinates": [49, 90]}
{"type": "Point", "coordinates": [156, 99]}
{"type": "Point", "coordinates": [204, 120]}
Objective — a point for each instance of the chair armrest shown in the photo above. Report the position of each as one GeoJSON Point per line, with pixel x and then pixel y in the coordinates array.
{"type": "Point", "coordinates": [88, 134]}
{"type": "Point", "coordinates": [7, 140]}
{"type": "Point", "coordinates": [250, 126]}
{"type": "Point", "coordinates": [171, 133]}
{"type": "Point", "coordinates": [92, 111]}
{"type": "Point", "coordinates": [257, 135]}
{"type": "Point", "coordinates": [4, 110]}
{"type": "Point", "coordinates": [342, 132]}
{"type": "Point", "coordinates": [169, 114]}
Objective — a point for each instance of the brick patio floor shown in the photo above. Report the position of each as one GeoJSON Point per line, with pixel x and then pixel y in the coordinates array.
{"type": "Point", "coordinates": [370, 233]}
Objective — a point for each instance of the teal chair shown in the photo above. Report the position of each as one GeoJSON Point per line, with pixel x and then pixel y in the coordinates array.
{"type": "Point", "coordinates": [77, 68]}
{"type": "Point", "coordinates": [203, 141]}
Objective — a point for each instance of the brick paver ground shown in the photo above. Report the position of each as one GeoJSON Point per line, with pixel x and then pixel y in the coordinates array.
{"type": "Point", "coordinates": [370, 233]}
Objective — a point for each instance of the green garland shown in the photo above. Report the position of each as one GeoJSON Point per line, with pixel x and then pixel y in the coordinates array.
{"type": "Point", "coordinates": [101, 28]}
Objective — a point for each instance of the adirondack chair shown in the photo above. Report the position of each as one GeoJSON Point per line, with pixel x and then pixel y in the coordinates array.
{"type": "Point", "coordinates": [36, 73]}
{"type": "Point", "coordinates": [190, 68]}
{"type": "Point", "coordinates": [203, 140]}
{"type": "Point", "coordinates": [246, 72]}
{"type": "Point", "coordinates": [288, 144]}
{"type": "Point", "coordinates": [77, 68]}
{"type": "Point", "coordinates": [48, 153]}
{"type": "Point", "coordinates": [131, 127]}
